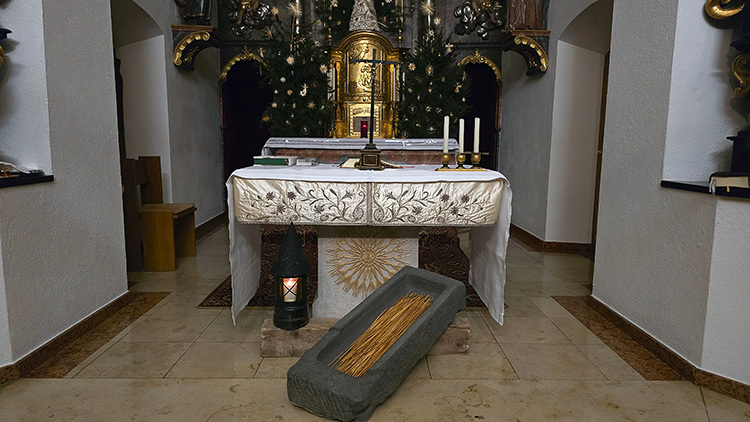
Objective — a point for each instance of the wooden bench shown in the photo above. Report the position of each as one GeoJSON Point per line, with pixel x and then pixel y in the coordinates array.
{"type": "Point", "coordinates": [155, 232]}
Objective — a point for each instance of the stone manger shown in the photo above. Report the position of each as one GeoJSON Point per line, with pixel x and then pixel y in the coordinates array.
{"type": "Point", "coordinates": [317, 387]}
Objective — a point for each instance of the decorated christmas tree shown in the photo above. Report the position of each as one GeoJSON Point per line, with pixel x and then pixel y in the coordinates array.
{"type": "Point", "coordinates": [433, 86]}
{"type": "Point", "coordinates": [296, 67]}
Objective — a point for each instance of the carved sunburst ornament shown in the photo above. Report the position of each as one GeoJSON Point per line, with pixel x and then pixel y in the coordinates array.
{"type": "Point", "coordinates": [361, 264]}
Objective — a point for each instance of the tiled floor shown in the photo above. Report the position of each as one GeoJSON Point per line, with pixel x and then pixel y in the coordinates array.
{"type": "Point", "coordinates": [181, 363]}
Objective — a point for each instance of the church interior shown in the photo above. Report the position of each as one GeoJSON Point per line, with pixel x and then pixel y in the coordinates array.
{"type": "Point", "coordinates": [600, 227]}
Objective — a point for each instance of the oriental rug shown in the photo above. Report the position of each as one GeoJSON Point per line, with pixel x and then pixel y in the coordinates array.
{"type": "Point", "coordinates": [439, 252]}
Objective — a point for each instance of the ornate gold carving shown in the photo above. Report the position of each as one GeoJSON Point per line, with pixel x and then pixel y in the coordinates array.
{"type": "Point", "coordinates": [741, 71]}
{"type": "Point", "coordinates": [185, 42]}
{"type": "Point", "coordinates": [365, 259]}
{"type": "Point", "coordinates": [541, 54]}
{"type": "Point", "coordinates": [353, 84]}
{"type": "Point", "coordinates": [245, 55]}
{"type": "Point", "coordinates": [477, 57]}
{"type": "Point", "coordinates": [723, 9]}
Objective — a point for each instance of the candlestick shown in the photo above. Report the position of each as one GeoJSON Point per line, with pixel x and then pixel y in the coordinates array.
{"type": "Point", "coordinates": [290, 289]}
{"type": "Point", "coordinates": [460, 135]}
{"type": "Point", "coordinates": [476, 134]}
{"type": "Point", "coordinates": [446, 126]}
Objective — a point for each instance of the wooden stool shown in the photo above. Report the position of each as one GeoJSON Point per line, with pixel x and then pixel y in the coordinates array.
{"type": "Point", "coordinates": [168, 231]}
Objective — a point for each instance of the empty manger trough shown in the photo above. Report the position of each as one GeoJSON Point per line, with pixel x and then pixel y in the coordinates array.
{"type": "Point", "coordinates": [314, 384]}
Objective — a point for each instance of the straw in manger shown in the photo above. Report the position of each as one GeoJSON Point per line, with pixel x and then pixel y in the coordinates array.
{"type": "Point", "coordinates": [382, 333]}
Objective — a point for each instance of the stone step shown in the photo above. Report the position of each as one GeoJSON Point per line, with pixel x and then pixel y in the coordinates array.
{"type": "Point", "coordinates": [277, 343]}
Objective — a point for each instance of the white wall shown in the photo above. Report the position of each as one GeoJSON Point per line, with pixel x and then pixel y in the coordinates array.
{"type": "Point", "coordinates": [6, 353]}
{"type": "Point", "coordinates": [527, 125]}
{"type": "Point", "coordinates": [194, 122]}
{"type": "Point", "coordinates": [24, 88]}
{"type": "Point", "coordinates": [697, 147]}
{"type": "Point", "coordinates": [575, 137]}
{"type": "Point", "coordinates": [657, 256]}
{"type": "Point", "coordinates": [63, 252]}
{"type": "Point", "coordinates": [145, 110]}
{"type": "Point", "coordinates": [726, 344]}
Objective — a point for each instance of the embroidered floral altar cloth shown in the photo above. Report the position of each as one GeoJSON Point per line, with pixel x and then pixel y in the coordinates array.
{"type": "Point", "coordinates": [328, 195]}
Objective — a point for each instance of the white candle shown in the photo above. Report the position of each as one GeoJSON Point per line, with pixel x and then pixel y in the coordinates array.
{"type": "Point", "coordinates": [476, 134]}
{"type": "Point", "coordinates": [290, 289]}
{"type": "Point", "coordinates": [460, 135]}
{"type": "Point", "coordinates": [446, 125]}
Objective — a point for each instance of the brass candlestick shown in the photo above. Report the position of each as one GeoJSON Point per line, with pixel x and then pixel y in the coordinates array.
{"type": "Point", "coordinates": [460, 160]}
{"type": "Point", "coordinates": [476, 158]}
{"type": "Point", "coordinates": [445, 159]}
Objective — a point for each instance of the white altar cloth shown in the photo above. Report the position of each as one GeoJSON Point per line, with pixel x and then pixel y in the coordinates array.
{"type": "Point", "coordinates": [489, 234]}
{"type": "Point", "coordinates": [429, 144]}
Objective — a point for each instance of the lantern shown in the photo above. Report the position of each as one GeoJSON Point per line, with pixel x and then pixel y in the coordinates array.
{"type": "Point", "coordinates": [289, 270]}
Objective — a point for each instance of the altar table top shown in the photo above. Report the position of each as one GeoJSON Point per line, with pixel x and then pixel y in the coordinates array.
{"type": "Point", "coordinates": [254, 186]}
{"type": "Point", "coordinates": [428, 144]}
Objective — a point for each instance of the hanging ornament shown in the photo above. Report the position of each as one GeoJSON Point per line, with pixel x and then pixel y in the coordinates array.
{"type": "Point", "coordinates": [323, 68]}
{"type": "Point", "coordinates": [274, 105]}
{"type": "Point", "coordinates": [429, 70]}
{"type": "Point", "coordinates": [289, 92]}
{"type": "Point", "coordinates": [282, 79]}
{"type": "Point", "coordinates": [311, 105]}
{"type": "Point", "coordinates": [305, 130]}
{"type": "Point", "coordinates": [290, 60]}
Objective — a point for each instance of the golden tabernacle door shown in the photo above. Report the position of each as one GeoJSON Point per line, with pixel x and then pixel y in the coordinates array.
{"type": "Point", "coordinates": [353, 85]}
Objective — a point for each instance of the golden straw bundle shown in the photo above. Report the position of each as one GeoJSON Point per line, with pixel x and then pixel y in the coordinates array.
{"type": "Point", "coordinates": [382, 333]}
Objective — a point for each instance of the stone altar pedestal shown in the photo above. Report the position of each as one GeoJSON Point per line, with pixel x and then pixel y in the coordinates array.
{"type": "Point", "coordinates": [354, 261]}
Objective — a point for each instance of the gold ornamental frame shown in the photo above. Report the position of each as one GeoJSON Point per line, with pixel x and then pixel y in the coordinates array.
{"type": "Point", "coordinates": [478, 58]}
{"type": "Point", "coordinates": [244, 55]}
{"type": "Point", "coordinates": [351, 84]}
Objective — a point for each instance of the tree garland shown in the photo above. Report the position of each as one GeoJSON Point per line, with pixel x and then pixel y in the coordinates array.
{"type": "Point", "coordinates": [433, 86]}
{"type": "Point", "coordinates": [297, 70]}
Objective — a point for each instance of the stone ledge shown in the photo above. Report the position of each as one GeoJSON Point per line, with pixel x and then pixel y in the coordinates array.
{"type": "Point", "coordinates": [276, 342]}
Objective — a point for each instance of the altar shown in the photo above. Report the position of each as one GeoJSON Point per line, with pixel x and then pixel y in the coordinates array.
{"type": "Point", "coordinates": [326, 195]}
{"type": "Point", "coordinates": [330, 150]}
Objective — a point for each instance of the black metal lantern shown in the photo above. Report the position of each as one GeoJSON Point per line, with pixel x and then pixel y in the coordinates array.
{"type": "Point", "coordinates": [290, 276]}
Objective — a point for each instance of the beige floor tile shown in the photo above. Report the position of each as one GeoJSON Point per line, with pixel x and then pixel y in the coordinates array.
{"type": "Point", "coordinates": [249, 321]}
{"type": "Point", "coordinates": [511, 290]}
{"type": "Point", "coordinates": [551, 288]}
{"type": "Point", "coordinates": [170, 328]}
{"type": "Point", "coordinates": [575, 331]}
{"type": "Point", "coordinates": [521, 307]}
{"type": "Point", "coordinates": [721, 408]}
{"type": "Point", "coordinates": [135, 360]}
{"type": "Point", "coordinates": [568, 401]}
{"type": "Point", "coordinates": [416, 400]}
{"type": "Point", "coordinates": [484, 361]}
{"type": "Point", "coordinates": [554, 260]}
{"type": "Point", "coordinates": [421, 371]}
{"type": "Point", "coordinates": [550, 308]}
{"type": "Point", "coordinates": [581, 274]}
{"type": "Point", "coordinates": [178, 307]}
{"type": "Point", "coordinates": [522, 260]}
{"type": "Point", "coordinates": [550, 362]}
{"type": "Point", "coordinates": [274, 368]}
{"type": "Point", "coordinates": [526, 330]}
{"type": "Point", "coordinates": [609, 363]}
{"type": "Point", "coordinates": [479, 332]}
{"type": "Point", "coordinates": [218, 360]}
{"type": "Point", "coordinates": [536, 274]}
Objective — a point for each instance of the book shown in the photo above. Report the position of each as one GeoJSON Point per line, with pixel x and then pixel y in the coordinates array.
{"type": "Point", "coordinates": [728, 179]}
{"type": "Point", "coordinates": [274, 160]}
{"type": "Point", "coordinates": [307, 162]}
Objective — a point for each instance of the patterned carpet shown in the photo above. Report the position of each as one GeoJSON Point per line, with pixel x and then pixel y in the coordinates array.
{"type": "Point", "coordinates": [439, 251]}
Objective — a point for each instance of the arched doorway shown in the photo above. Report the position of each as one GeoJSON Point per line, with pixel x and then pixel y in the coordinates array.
{"type": "Point", "coordinates": [577, 125]}
{"type": "Point", "coordinates": [244, 96]}
{"type": "Point", "coordinates": [484, 100]}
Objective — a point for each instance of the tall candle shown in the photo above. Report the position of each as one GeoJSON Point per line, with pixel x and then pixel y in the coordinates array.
{"type": "Point", "coordinates": [460, 135]}
{"type": "Point", "coordinates": [446, 135]}
{"type": "Point", "coordinates": [476, 134]}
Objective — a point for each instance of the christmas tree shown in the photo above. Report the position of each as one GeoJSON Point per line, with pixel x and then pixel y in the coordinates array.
{"type": "Point", "coordinates": [433, 87]}
{"type": "Point", "coordinates": [297, 69]}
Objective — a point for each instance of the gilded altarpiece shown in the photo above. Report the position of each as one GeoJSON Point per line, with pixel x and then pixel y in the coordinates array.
{"type": "Point", "coordinates": [353, 84]}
